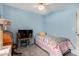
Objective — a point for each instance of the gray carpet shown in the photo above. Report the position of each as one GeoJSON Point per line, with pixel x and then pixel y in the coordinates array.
{"type": "Point", "coordinates": [33, 50]}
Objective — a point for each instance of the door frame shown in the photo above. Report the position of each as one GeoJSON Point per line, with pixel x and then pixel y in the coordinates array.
{"type": "Point", "coordinates": [77, 32]}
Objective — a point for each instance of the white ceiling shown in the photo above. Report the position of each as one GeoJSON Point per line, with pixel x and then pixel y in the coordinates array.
{"type": "Point", "coordinates": [30, 7]}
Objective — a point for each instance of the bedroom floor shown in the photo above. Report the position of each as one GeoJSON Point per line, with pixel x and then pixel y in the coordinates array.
{"type": "Point", "coordinates": [33, 50]}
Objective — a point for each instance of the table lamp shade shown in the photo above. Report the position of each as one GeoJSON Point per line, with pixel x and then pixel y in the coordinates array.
{"type": "Point", "coordinates": [6, 23]}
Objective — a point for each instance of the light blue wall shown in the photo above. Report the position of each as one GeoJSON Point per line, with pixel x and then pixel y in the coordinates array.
{"type": "Point", "coordinates": [62, 23]}
{"type": "Point", "coordinates": [0, 9]}
{"type": "Point", "coordinates": [23, 19]}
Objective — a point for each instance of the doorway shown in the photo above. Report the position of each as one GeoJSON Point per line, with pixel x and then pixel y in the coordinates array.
{"type": "Point", "coordinates": [77, 32]}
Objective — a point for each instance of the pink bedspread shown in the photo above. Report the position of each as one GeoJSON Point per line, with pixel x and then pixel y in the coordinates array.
{"type": "Point", "coordinates": [53, 46]}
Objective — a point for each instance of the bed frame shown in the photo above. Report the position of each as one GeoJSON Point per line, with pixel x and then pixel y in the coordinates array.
{"type": "Point", "coordinates": [41, 48]}
{"type": "Point", "coordinates": [68, 51]}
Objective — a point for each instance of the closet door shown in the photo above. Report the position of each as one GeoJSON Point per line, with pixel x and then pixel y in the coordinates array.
{"type": "Point", "coordinates": [77, 32]}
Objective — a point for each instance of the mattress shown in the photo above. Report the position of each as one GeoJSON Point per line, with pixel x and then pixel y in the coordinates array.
{"type": "Point", "coordinates": [55, 46]}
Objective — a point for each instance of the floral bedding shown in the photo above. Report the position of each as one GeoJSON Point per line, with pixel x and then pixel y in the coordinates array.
{"type": "Point", "coordinates": [53, 45]}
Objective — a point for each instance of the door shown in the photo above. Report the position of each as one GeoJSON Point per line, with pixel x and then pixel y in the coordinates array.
{"type": "Point", "coordinates": [77, 32]}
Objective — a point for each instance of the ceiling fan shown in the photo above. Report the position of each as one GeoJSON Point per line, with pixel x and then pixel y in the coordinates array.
{"type": "Point", "coordinates": [41, 6]}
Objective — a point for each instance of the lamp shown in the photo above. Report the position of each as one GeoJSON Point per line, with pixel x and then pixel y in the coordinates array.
{"type": "Point", "coordinates": [6, 23]}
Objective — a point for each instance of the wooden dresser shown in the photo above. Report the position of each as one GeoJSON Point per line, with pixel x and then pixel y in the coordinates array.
{"type": "Point", "coordinates": [7, 38]}
{"type": "Point", "coordinates": [7, 44]}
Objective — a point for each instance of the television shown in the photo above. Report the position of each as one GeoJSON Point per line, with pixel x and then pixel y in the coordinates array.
{"type": "Point", "coordinates": [25, 33]}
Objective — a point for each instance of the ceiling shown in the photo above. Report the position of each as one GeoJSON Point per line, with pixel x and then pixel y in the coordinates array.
{"type": "Point", "coordinates": [30, 7]}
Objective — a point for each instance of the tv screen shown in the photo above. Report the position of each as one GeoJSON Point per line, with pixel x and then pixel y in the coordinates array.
{"type": "Point", "coordinates": [25, 33]}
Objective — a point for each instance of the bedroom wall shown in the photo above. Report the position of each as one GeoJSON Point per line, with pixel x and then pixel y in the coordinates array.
{"type": "Point", "coordinates": [62, 23]}
{"type": "Point", "coordinates": [59, 23]}
{"type": "Point", "coordinates": [23, 19]}
{"type": "Point", "coordinates": [0, 9]}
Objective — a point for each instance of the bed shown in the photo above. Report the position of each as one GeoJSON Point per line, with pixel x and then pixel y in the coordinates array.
{"type": "Point", "coordinates": [55, 46]}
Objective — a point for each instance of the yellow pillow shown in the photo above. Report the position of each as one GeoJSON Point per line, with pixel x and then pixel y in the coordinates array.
{"type": "Point", "coordinates": [42, 33]}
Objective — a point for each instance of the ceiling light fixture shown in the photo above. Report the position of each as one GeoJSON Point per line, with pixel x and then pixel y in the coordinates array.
{"type": "Point", "coordinates": [41, 6]}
